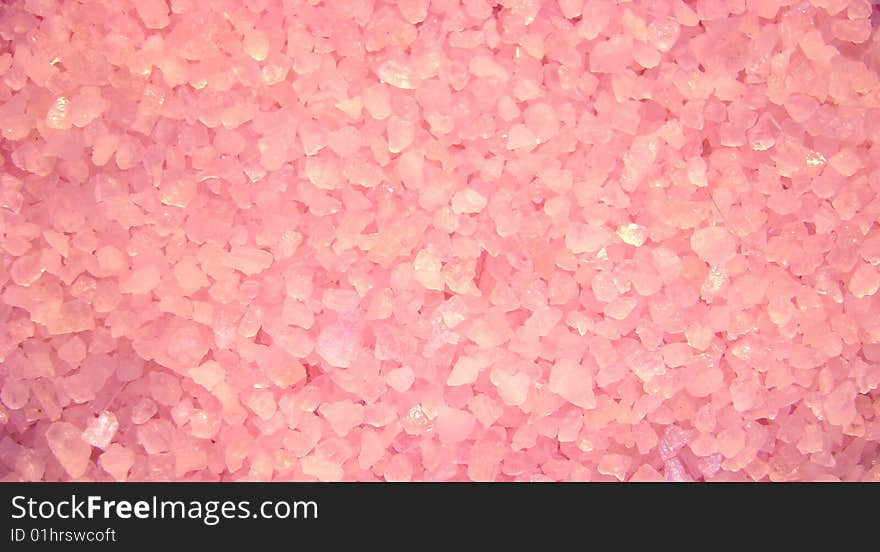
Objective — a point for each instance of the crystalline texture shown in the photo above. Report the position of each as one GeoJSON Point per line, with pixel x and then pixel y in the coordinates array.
{"type": "Point", "coordinates": [527, 240]}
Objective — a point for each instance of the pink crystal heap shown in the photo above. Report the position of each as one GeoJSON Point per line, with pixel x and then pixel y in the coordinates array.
{"type": "Point", "coordinates": [439, 240]}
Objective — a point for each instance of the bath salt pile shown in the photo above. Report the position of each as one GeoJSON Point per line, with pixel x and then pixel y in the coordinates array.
{"type": "Point", "coordinates": [439, 240]}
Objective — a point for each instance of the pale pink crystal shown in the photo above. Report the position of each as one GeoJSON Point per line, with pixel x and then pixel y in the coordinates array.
{"type": "Point", "coordinates": [342, 416]}
{"type": "Point", "coordinates": [117, 460]}
{"type": "Point", "coordinates": [584, 238]}
{"type": "Point", "coordinates": [865, 281]}
{"type": "Point", "coordinates": [468, 201]}
{"type": "Point", "coordinates": [15, 394]}
{"type": "Point", "coordinates": [339, 344]}
{"type": "Point", "coordinates": [262, 403]}
{"type": "Point", "coordinates": [839, 404]}
{"type": "Point", "coordinates": [573, 382]}
{"type": "Point", "coordinates": [400, 379]}
{"type": "Point", "coordinates": [646, 473]}
{"type": "Point", "coordinates": [256, 44]}
{"type": "Point", "coordinates": [521, 138]}
{"type": "Point", "coordinates": [428, 270]}
{"type": "Point", "coordinates": [72, 452]}
{"type": "Point", "coordinates": [154, 13]}
{"type": "Point", "coordinates": [164, 388]}
{"type": "Point", "coordinates": [141, 280]}
{"type": "Point", "coordinates": [100, 431]}
{"type": "Point", "coordinates": [614, 465]}
{"type": "Point", "coordinates": [453, 425]}
{"type": "Point", "coordinates": [466, 370]}
{"type": "Point", "coordinates": [714, 245]}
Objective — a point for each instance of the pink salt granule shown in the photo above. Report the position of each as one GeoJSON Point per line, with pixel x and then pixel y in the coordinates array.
{"type": "Point", "coordinates": [439, 240]}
